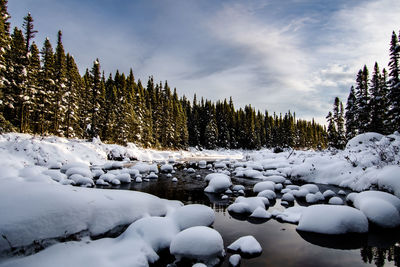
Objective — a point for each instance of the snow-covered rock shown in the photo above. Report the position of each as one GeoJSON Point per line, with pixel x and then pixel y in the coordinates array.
{"type": "Point", "coordinates": [200, 243]}
{"type": "Point", "coordinates": [290, 215]}
{"type": "Point", "coordinates": [261, 213]}
{"type": "Point", "coordinates": [269, 194]}
{"type": "Point", "coordinates": [193, 215]}
{"type": "Point", "coordinates": [247, 205]}
{"type": "Point", "coordinates": [382, 209]}
{"type": "Point", "coordinates": [288, 197]}
{"type": "Point", "coordinates": [218, 183]}
{"type": "Point", "coordinates": [332, 219]}
{"type": "Point", "coordinates": [335, 201]}
{"type": "Point", "coordinates": [234, 260]}
{"type": "Point", "coordinates": [261, 186]}
{"type": "Point", "coordinates": [247, 245]}
{"type": "Point", "coordinates": [166, 168]}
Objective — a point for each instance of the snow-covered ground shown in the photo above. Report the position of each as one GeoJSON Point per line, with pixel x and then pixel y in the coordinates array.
{"type": "Point", "coordinates": [39, 207]}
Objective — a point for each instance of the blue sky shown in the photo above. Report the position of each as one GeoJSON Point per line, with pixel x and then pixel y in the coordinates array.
{"type": "Point", "coordinates": [276, 55]}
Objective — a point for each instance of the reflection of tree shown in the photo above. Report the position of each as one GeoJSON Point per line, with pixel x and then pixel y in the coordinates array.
{"type": "Point", "coordinates": [380, 255]}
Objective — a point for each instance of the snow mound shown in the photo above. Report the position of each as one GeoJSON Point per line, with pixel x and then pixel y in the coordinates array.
{"type": "Point", "coordinates": [234, 260]}
{"type": "Point", "coordinates": [333, 220]}
{"type": "Point", "coordinates": [275, 178]}
{"type": "Point", "coordinates": [260, 213]}
{"type": "Point", "coordinates": [335, 201]}
{"type": "Point", "coordinates": [362, 140]}
{"type": "Point", "coordinates": [261, 186]}
{"type": "Point", "coordinates": [247, 205]}
{"type": "Point", "coordinates": [288, 197]}
{"type": "Point", "coordinates": [200, 243]}
{"type": "Point", "coordinates": [247, 245]}
{"type": "Point", "coordinates": [219, 183]}
{"type": "Point", "coordinates": [166, 168]}
{"type": "Point", "coordinates": [382, 209]}
{"type": "Point", "coordinates": [193, 215]}
{"type": "Point", "coordinates": [290, 215]}
{"type": "Point", "coordinates": [158, 232]}
{"type": "Point", "coordinates": [269, 194]}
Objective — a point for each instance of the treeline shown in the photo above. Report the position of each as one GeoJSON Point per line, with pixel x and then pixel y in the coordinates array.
{"type": "Point", "coordinates": [373, 104]}
{"type": "Point", "coordinates": [42, 92]}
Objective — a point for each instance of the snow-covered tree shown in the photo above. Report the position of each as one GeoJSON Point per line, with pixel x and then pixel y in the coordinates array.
{"type": "Point", "coordinates": [394, 83]}
{"type": "Point", "coordinates": [351, 115]}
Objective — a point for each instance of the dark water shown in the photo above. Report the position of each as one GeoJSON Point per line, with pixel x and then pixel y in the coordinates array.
{"type": "Point", "coordinates": [282, 245]}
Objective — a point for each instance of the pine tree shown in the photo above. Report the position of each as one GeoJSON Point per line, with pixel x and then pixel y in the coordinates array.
{"type": "Point", "coordinates": [5, 125]}
{"type": "Point", "coordinates": [351, 115]}
{"type": "Point", "coordinates": [44, 112]}
{"type": "Point", "coordinates": [16, 82]}
{"type": "Point", "coordinates": [332, 133]}
{"type": "Point", "coordinates": [59, 95]}
{"type": "Point", "coordinates": [33, 87]}
{"type": "Point", "coordinates": [29, 31]}
{"type": "Point", "coordinates": [377, 103]}
{"type": "Point", "coordinates": [73, 87]}
{"type": "Point", "coordinates": [394, 82]}
{"type": "Point", "coordinates": [362, 100]}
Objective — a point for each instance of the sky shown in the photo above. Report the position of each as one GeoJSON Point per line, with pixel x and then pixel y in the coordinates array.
{"type": "Point", "coordinates": [276, 55]}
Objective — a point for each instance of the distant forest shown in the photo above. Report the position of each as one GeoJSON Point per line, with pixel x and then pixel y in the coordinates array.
{"type": "Point", "coordinates": [373, 104]}
{"type": "Point", "coordinates": [42, 92]}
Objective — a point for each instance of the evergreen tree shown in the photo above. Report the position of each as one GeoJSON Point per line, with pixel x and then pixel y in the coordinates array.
{"type": "Point", "coordinates": [351, 115]}
{"type": "Point", "coordinates": [16, 82]}
{"type": "Point", "coordinates": [362, 100]}
{"type": "Point", "coordinates": [377, 103]}
{"type": "Point", "coordinates": [59, 96]}
{"type": "Point", "coordinates": [73, 87]}
{"type": "Point", "coordinates": [394, 82]}
{"type": "Point", "coordinates": [45, 109]}
{"type": "Point", "coordinates": [33, 87]}
{"type": "Point", "coordinates": [332, 132]}
{"type": "Point", "coordinates": [29, 31]}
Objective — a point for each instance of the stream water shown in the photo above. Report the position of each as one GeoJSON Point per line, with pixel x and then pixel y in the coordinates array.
{"type": "Point", "coordinates": [282, 245]}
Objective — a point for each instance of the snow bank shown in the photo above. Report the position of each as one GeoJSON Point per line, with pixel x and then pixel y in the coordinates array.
{"type": "Point", "coordinates": [333, 220]}
{"type": "Point", "coordinates": [261, 186]}
{"type": "Point", "coordinates": [37, 211]}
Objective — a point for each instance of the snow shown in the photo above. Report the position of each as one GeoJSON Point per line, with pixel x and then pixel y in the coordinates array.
{"type": "Point", "coordinates": [335, 201]}
{"type": "Point", "coordinates": [333, 220]}
{"type": "Point", "coordinates": [40, 203]}
{"type": "Point", "coordinates": [192, 215]}
{"type": "Point", "coordinates": [166, 168]}
{"type": "Point", "coordinates": [200, 243]}
{"type": "Point", "coordinates": [290, 215]}
{"type": "Point", "coordinates": [234, 260]}
{"type": "Point", "coordinates": [247, 245]}
{"type": "Point", "coordinates": [261, 213]}
{"type": "Point", "coordinates": [261, 186]}
{"type": "Point", "coordinates": [288, 197]}
{"type": "Point", "coordinates": [247, 205]}
{"type": "Point", "coordinates": [382, 209]}
{"type": "Point", "coordinates": [218, 183]}
{"type": "Point", "coordinates": [328, 193]}
{"type": "Point", "coordinates": [269, 194]}
{"type": "Point", "coordinates": [53, 210]}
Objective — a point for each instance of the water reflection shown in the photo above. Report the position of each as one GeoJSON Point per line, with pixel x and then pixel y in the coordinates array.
{"type": "Point", "coordinates": [380, 256]}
